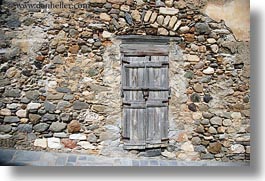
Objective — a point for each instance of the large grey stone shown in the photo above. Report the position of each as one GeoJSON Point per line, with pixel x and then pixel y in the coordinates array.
{"type": "Point", "coordinates": [57, 126]}
{"type": "Point", "coordinates": [57, 59]}
{"type": "Point", "coordinates": [65, 117]}
{"type": "Point", "coordinates": [227, 122]}
{"type": "Point", "coordinates": [61, 49]}
{"type": "Point", "coordinates": [13, 21]}
{"type": "Point", "coordinates": [63, 89]}
{"type": "Point", "coordinates": [196, 141]}
{"type": "Point", "coordinates": [92, 138]}
{"type": "Point", "coordinates": [49, 117]}
{"type": "Point", "coordinates": [25, 128]}
{"type": "Point", "coordinates": [73, 33]}
{"type": "Point", "coordinates": [216, 120]}
{"type": "Point", "coordinates": [78, 105]}
{"type": "Point", "coordinates": [32, 95]}
{"type": "Point", "coordinates": [62, 105]}
{"type": "Point", "coordinates": [68, 97]}
{"type": "Point", "coordinates": [60, 135]}
{"type": "Point", "coordinates": [212, 130]}
{"type": "Point", "coordinates": [41, 127]}
{"type": "Point", "coordinates": [13, 106]}
{"type": "Point", "coordinates": [207, 115]}
{"type": "Point", "coordinates": [50, 107]}
{"type": "Point", "coordinates": [34, 118]}
{"type": "Point", "coordinates": [12, 93]}
{"type": "Point", "coordinates": [33, 106]}
{"type": "Point", "coordinates": [11, 119]}
{"type": "Point", "coordinates": [202, 28]}
{"type": "Point", "coordinates": [31, 136]}
{"type": "Point", "coordinates": [5, 128]}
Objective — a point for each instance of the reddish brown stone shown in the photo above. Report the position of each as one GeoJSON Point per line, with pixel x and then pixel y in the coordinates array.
{"type": "Point", "coordinates": [129, 2]}
{"type": "Point", "coordinates": [69, 143]}
{"type": "Point", "coordinates": [202, 49]}
{"type": "Point", "coordinates": [43, 98]}
{"type": "Point", "coordinates": [182, 137]}
{"type": "Point", "coordinates": [220, 59]}
{"type": "Point", "coordinates": [116, 6]}
{"type": "Point", "coordinates": [74, 127]}
{"type": "Point", "coordinates": [189, 91]}
{"type": "Point", "coordinates": [182, 45]}
{"type": "Point", "coordinates": [189, 37]}
{"type": "Point", "coordinates": [215, 147]}
{"type": "Point", "coordinates": [40, 58]}
{"type": "Point", "coordinates": [192, 30]}
{"type": "Point", "coordinates": [74, 49]}
{"type": "Point", "coordinates": [107, 43]}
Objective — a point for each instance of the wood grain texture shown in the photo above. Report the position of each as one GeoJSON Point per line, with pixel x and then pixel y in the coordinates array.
{"type": "Point", "coordinates": [145, 88]}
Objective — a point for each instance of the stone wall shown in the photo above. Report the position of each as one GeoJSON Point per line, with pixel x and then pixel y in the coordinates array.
{"type": "Point", "coordinates": [60, 79]}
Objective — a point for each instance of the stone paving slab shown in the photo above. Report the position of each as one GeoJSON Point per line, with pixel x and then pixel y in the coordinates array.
{"type": "Point", "coordinates": [36, 158]}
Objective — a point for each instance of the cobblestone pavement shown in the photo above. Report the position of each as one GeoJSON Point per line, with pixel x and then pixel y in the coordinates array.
{"type": "Point", "coordinates": [35, 158]}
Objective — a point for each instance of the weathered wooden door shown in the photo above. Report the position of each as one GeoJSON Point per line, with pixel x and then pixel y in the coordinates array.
{"type": "Point", "coordinates": [145, 92]}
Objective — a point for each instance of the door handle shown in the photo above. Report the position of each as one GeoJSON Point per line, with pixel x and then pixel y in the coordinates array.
{"type": "Point", "coordinates": [145, 93]}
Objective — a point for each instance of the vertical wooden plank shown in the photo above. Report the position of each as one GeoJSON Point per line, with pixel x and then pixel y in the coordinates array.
{"type": "Point", "coordinates": [132, 125]}
{"type": "Point", "coordinates": [137, 122]}
{"type": "Point", "coordinates": [141, 125]}
{"type": "Point", "coordinates": [162, 121]}
{"type": "Point", "coordinates": [165, 124]}
{"type": "Point", "coordinates": [126, 123]}
{"type": "Point", "coordinates": [141, 83]}
{"type": "Point", "coordinates": [154, 124]}
{"type": "Point", "coordinates": [150, 124]}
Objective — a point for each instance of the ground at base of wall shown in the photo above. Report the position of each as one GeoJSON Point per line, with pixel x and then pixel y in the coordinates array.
{"type": "Point", "coordinates": [34, 158]}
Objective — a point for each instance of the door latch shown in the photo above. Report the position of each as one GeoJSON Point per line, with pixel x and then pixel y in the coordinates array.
{"type": "Point", "coordinates": [145, 93]}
